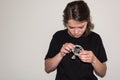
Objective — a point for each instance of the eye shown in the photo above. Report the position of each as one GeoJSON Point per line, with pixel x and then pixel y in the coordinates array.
{"type": "Point", "coordinates": [71, 27]}
{"type": "Point", "coordinates": [81, 27]}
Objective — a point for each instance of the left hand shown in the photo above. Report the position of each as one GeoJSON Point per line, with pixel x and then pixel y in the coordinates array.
{"type": "Point", "coordinates": [87, 56]}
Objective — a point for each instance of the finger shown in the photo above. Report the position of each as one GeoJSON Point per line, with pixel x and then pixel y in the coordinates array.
{"type": "Point", "coordinates": [86, 60]}
{"type": "Point", "coordinates": [68, 49]}
{"type": "Point", "coordinates": [84, 56]}
{"type": "Point", "coordinates": [83, 52]}
{"type": "Point", "coordinates": [71, 46]}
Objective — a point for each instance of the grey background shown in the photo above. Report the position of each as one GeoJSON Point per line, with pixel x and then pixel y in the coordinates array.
{"type": "Point", "coordinates": [27, 26]}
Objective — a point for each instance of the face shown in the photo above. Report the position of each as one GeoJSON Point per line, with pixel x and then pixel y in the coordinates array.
{"type": "Point", "coordinates": [76, 28]}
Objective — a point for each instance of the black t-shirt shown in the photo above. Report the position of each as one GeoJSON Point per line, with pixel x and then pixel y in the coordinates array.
{"type": "Point", "coordinates": [69, 69]}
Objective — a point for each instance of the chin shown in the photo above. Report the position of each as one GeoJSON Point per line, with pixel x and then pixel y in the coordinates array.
{"type": "Point", "coordinates": [76, 36]}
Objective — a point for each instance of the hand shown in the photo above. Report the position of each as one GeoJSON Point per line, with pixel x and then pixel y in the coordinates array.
{"type": "Point", "coordinates": [66, 48]}
{"type": "Point", "coordinates": [87, 56]}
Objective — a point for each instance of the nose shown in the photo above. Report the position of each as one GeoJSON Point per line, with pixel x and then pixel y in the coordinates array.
{"type": "Point", "coordinates": [76, 30]}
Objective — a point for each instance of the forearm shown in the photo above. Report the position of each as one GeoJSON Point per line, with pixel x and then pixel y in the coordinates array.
{"type": "Point", "coordinates": [100, 68]}
{"type": "Point", "coordinates": [52, 63]}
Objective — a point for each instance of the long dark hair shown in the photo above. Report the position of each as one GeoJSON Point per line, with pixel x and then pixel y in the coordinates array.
{"type": "Point", "coordinates": [79, 11]}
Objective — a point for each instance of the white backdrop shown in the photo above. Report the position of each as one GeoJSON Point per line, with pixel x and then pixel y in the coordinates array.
{"type": "Point", "coordinates": [27, 26]}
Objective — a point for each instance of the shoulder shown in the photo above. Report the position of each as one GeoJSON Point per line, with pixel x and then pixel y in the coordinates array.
{"type": "Point", "coordinates": [60, 33]}
{"type": "Point", "coordinates": [94, 36]}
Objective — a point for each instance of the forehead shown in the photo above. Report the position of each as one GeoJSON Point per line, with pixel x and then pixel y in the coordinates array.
{"type": "Point", "coordinates": [76, 23]}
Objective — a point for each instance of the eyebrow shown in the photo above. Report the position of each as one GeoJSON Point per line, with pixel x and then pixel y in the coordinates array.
{"type": "Point", "coordinates": [75, 27]}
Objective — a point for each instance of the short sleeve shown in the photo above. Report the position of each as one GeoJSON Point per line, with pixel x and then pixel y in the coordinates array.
{"type": "Point", "coordinates": [101, 50]}
{"type": "Point", "coordinates": [53, 47]}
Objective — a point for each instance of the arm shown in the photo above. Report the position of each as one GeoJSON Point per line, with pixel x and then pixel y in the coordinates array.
{"type": "Point", "coordinates": [100, 68]}
{"type": "Point", "coordinates": [52, 63]}
{"type": "Point", "coordinates": [89, 57]}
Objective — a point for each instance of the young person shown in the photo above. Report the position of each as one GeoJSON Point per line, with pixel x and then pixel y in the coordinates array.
{"type": "Point", "coordinates": [61, 57]}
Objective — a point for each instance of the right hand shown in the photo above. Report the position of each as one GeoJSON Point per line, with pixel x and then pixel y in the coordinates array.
{"type": "Point", "coordinates": [66, 48]}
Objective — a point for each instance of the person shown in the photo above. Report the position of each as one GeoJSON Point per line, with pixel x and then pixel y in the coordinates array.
{"type": "Point", "coordinates": [78, 31]}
